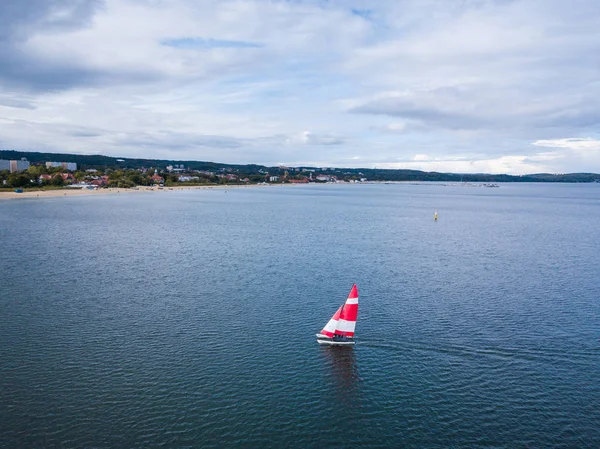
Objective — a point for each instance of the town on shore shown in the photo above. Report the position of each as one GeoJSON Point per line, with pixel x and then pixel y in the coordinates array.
{"type": "Point", "coordinates": [21, 174]}
{"type": "Point", "coordinates": [27, 170]}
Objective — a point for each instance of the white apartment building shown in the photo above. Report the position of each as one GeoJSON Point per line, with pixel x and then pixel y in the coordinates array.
{"type": "Point", "coordinates": [14, 166]}
{"type": "Point", "coordinates": [66, 165]}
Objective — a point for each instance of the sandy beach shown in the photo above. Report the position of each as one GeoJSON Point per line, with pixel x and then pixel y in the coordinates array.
{"type": "Point", "coordinates": [113, 191]}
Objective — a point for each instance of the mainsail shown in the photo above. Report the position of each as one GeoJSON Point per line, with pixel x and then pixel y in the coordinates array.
{"type": "Point", "coordinates": [343, 321]}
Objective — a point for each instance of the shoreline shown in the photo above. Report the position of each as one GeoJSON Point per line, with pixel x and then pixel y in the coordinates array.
{"type": "Point", "coordinates": [114, 191]}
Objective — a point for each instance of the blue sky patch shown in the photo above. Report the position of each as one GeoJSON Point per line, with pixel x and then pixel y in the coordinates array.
{"type": "Point", "coordinates": [364, 13]}
{"type": "Point", "coordinates": [199, 43]}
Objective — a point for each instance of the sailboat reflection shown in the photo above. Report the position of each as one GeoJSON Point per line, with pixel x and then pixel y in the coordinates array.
{"type": "Point", "coordinates": [341, 364]}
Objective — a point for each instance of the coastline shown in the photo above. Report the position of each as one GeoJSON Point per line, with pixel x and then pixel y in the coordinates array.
{"type": "Point", "coordinates": [112, 191]}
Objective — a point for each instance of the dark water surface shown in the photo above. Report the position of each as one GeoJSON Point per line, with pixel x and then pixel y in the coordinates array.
{"type": "Point", "coordinates": [188, 319]}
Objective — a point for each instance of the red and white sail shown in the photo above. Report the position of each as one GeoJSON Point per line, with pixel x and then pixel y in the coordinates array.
{"type": "Point", "coordinates": [329, 329]}
{"type": "Point", "coordinates": [343, 321]}
{"type": "Point", "coordinates": [347, 321]}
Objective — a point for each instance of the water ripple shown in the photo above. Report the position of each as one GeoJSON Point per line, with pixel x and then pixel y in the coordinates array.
{"type": "Point", "coordinates": [188, 320]}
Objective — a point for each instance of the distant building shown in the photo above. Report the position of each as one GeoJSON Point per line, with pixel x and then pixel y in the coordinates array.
{"type": "Point", "coordinates": [175, 168]}
{"type": "Point", "coordinates": [157, 179]}
{"type": "Point", "coordinates": [66, 165]}
{"type": "Point", "coordinates": [184, 178]}
{"type": "Point", "coordinates": [273, 178]}
{"type": "Point", "coordinates": [14, 166]}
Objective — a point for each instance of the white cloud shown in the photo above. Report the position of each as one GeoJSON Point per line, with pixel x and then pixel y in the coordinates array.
{"type": "Point", "coordinates": [578, 144]}
{"type": "Point", "coordinates": [398, 127]}
{"type": "Point", "coordinates": [571, 154]}
{"type": "Point", "coordinates": [309, 138]}
{"type": "Point", "coordinates": [517, 165]}
{"type": "Point", "coordinates": [421, 157]}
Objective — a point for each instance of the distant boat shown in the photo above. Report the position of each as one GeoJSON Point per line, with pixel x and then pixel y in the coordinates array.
{"type": "Point", "coordinates": [339, 331]}
{"type": "Point", "coordinates": [18, 190]}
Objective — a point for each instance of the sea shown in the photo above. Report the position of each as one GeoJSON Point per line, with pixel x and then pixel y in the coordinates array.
{"type": "Point", "coordinates": [188, 318]}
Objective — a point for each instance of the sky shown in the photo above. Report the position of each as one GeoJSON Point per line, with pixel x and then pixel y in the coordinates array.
{"type": "Point", "coordinates": [465, 86]}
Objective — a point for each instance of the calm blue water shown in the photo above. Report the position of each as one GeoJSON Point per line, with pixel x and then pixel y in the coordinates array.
{"type": "Point", "coordinates": [187, 319]}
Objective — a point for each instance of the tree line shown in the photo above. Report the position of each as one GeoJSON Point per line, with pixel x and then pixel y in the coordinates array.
{"type": "Point", "coordinates": [129, 172]}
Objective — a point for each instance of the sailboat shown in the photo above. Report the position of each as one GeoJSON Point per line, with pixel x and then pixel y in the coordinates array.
{"type": "Point", "coordinates": [339, 331]}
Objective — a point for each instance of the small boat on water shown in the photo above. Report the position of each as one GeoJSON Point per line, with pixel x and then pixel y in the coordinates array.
{"type": "Point", "coordinates": [339, 330]}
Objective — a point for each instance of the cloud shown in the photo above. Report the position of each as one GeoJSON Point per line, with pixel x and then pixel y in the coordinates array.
{"type": "Point", "coordinates": [469, 87]}
{"type": "Point", "coordinates": [395, 127]}
{"type": "Point", "coordinates": [20, 19]}
{"type": "Point", "coordinates": [579, 144]}
{"type": "Point", "coordinates": [582, 154]}
{"type": "Point", "coordinates": [13, 102]}
{"type": "Point", "coordinates": [421, 157]}
{"type": "Point", "coordinates": [487, 66]}
{"type": "Point", "coordinates": [176, 141]}
{"type": "Point", "coordinates": [518, 165]}
{"type": "Point", "coordinates": [425, 108]}
{"type": "Point", "coordinates": [308, 138]}
{"type": "Point", "coordinates": [21, 64]}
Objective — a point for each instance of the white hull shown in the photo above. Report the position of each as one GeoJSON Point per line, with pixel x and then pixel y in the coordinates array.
{"type": "Point", "coordinates": [324, 340]}
{"type": "Point", "coordinates": [336, 343]}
